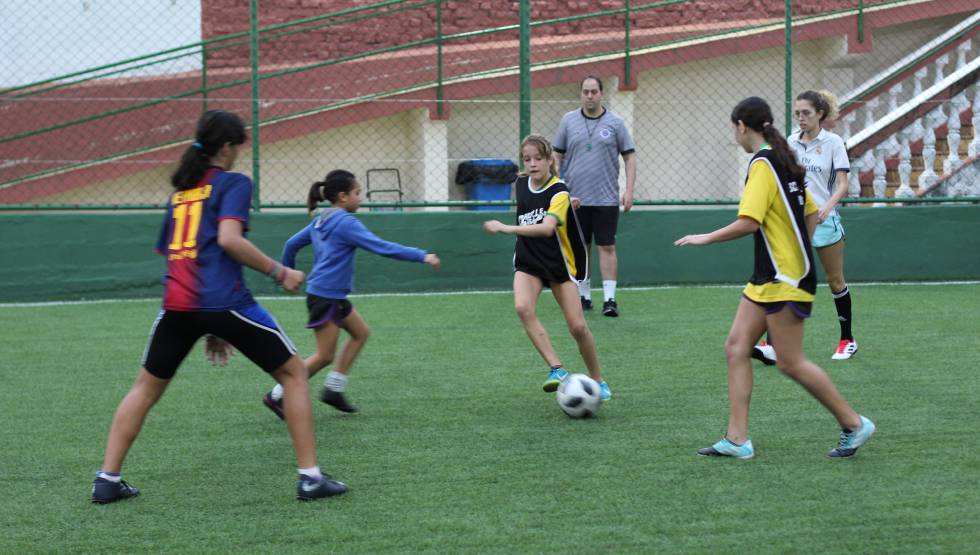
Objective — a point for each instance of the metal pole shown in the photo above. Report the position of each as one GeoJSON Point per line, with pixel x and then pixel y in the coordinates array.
{"type": "Point", "coordinates": [439, 57]}
{"type": "Point", "coordinates": [626, 59]}
{"type": "Point", "coordinates": [525, 69]}
{"type": "Point", "coordinates": [253, 49]}
{"type": "Point", "coordinates": [789, 66]}
{"type": "Point", "coordinates": [204, 77]}
{"type": "Point", "coordinates": [860, 20]}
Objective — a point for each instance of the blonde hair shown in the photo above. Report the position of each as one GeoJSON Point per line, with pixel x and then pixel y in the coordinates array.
{"type": "Point", "coordinates": [544, 149]}
{"type": "Point", "coordinates": [833, 108]}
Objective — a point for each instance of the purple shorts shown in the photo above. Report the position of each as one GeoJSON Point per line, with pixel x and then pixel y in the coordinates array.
{"type": "Point", "coordinates": [801, 309]}
{"type": "Point", "coordinates": [323, 311]}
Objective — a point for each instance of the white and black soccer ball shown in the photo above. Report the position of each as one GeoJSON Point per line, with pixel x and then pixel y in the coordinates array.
{"type": "Point", "coordinates": [579, 396]}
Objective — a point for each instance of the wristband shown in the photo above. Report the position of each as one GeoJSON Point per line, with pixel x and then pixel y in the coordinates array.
{"type": "Point", "coordinates": [277, 272]}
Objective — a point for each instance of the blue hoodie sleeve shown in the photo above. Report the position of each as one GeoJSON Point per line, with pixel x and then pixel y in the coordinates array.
{"type": "Point", "coordinates": [360, 236]}
{"type": "Point", "coordinates": [296, 242]}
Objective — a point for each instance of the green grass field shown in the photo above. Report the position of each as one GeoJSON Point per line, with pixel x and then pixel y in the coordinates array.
{"type": "Point", "coordinates": [458, 450]}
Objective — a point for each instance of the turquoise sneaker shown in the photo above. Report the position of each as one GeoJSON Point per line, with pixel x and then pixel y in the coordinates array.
{"type": "Point", "coordinates": [725, 448]}
{"type": "Point", "coordinates": [604, 392]}
{"type": "Point", "coordinates": [555, 377]}
{"type": "Point", "coordinates": [849, 442]}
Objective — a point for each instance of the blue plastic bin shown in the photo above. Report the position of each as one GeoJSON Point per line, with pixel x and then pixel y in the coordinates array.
{"type": "Point", "coordinates": [487, 179]}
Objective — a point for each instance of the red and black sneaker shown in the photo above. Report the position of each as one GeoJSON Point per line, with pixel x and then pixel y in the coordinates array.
{"type": "Point", "coordinates": [845, 349]}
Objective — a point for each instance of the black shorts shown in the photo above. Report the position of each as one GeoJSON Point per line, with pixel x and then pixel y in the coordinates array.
{"type": "Point", "coordinates": [323, 310]}
{"type": "Point", "coordinates": [599, 222]}
{"type": "Point", "coordinates": [251, 330]}
{"type": "Point", "coordinates": [801, 309]}
{"type": "Point", "coordinates": [548, 279]}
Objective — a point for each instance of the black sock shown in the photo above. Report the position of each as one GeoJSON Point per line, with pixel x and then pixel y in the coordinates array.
{"type": "Point", "coordinates": [843, 301]}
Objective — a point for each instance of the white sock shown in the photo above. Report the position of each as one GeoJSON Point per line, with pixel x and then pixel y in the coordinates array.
{"type": "Point", "coordinates": [336, 381]}
{"type": "Point", "coordinates": [277, 392]}
{"type": "Point", "coordinates": [609, 289]}
{"type": "Point", "coordinates": [111, 476]}
{"type": "Point", "coordinates": [585, 288]}
{"type": "Point", "coordinates": [311, 472]}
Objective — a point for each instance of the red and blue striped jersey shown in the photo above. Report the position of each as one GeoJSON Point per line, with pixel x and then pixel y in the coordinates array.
{"type": "Point", "coordinates": [200, 274]}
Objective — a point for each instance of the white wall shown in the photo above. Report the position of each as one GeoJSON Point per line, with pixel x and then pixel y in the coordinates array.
{"type": "Point", "coordinates": [41, 39]}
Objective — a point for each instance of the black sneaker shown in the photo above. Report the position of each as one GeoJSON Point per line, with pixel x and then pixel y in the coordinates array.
{"type": "Point", "coordinates": [609, 308]}
{"type": "Point", "coordinates": [274, 406]}
{"type": "Point", "coordinates": [586, 303]}
{"type": "Point", "coordinates": [106, 491]}
{"type": "Point", "coordinates": [336, 400]}
{"type": "Point", "coordinates": [309, 489]}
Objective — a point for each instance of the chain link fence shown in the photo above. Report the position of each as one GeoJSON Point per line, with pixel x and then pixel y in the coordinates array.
{"type": "Point", "coordinates": [99, 97]}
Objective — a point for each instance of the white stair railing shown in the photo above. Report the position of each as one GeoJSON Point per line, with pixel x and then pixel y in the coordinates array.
{"type": "Point", "coordinates": [925, 126]}
{"type": "Point", "coordinates": [957, 105]}
{"type": "Point", "coordinates": [901, 101]}
{"type": "Point", "coordinates": [905, 165]}
{"type": "Point", "coordinates": [930, 121]}
{"type": "Point", "coordinates": [974, 148]}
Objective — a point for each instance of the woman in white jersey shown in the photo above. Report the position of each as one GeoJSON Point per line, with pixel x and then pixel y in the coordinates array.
{"type": "Point", "coordinates": [824, 156]}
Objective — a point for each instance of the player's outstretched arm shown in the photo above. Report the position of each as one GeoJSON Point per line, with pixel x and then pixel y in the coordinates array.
{"type": "Point", "coordinates": [432, 260]}
{"type": "Point", "coordinates": [739, 228]}
{"type": "Point", "coordinates": [544, 229]}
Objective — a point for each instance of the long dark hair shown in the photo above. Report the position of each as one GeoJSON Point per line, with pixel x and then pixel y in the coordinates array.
{"type": "Point", "coordinates": [336, 182]}
{"type": "Point", "coordinates": [756, 114]}
{"type": "Point", "coordinates": [214, 130]}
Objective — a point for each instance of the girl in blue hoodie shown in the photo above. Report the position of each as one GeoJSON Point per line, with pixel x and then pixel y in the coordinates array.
{"type": "Point", "coordinates": [335, 235]}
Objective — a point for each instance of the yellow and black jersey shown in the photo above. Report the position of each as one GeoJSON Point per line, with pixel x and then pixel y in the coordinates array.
{"type": "Point", "coordinates": [783, 257]}
{"type": "Point", "coordinates": [554, 259]}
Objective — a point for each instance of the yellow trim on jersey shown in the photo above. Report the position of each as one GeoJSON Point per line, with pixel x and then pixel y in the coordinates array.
{"type": "Point", "coordinates": [763, 201]}
{"type": "Point", "coordinates": [560, 205]}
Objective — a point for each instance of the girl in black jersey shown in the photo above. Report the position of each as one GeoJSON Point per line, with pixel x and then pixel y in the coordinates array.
{"type": "Point", "coordinates": [550, 252]}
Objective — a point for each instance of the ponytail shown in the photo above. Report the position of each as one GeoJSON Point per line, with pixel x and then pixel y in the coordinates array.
{"type": "Point", "coordinates": [315, 197]}
{"type": "Point", "coordinates": [784, 154]}
{"type": "Point", "coordinates": [215, 129]}
{"type": "Point", "coordinates": [755, 113]}
{"type": "Point", "coordinates": [833, 106]}
{"type": "Point", "coordinates": [336, 182]}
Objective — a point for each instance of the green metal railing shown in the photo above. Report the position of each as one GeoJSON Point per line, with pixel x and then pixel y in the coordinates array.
{"type": "Point", "coordinates": [256, 36]}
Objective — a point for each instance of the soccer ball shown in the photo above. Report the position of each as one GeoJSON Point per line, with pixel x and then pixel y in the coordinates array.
{"type": "Point", "coordinates": [578, 396]}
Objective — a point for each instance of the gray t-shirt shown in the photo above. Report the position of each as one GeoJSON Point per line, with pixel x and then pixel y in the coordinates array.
{"type": "Point", "coordinates": [590, 149]}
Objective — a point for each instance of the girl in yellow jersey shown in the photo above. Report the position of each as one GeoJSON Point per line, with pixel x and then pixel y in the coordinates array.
{"type": "Point", "coordinates": [777, 210]}
{"type": "Point", "coordinates": [550, 252]}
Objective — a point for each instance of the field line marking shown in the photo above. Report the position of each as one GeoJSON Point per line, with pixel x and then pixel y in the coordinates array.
{"type": "Point", "coordinates": [300, 297]}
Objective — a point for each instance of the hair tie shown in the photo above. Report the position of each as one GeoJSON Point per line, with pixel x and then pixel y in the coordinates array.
{"type": "Point", "coordinates": [766, 124]}
{"type": "Point", "coordinates": [198, 146]}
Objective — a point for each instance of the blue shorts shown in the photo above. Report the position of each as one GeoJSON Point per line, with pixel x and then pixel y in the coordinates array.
{"type": "Point", "coordinates": [829, 232]}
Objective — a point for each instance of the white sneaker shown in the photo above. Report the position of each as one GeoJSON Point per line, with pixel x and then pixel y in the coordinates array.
{"type": "Point", "coordinates": [845, 349]}
{"type": "Point", "coordinates": [765, 353]}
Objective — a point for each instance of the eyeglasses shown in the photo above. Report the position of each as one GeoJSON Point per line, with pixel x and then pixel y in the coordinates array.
{"type": "Point", "coordinates": [802, 113]}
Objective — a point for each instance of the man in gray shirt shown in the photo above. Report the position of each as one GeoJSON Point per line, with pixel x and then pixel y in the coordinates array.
{"type": "Point", "coordinates": [588, 145]}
